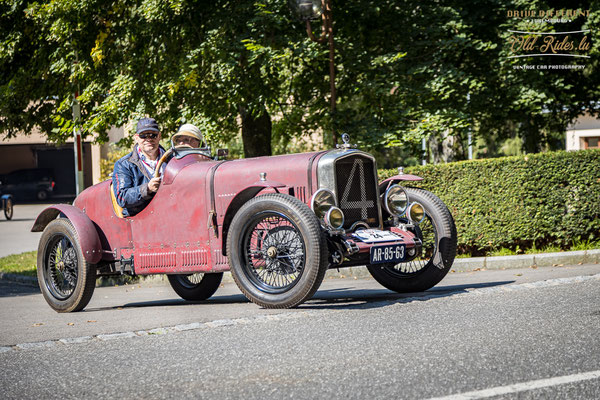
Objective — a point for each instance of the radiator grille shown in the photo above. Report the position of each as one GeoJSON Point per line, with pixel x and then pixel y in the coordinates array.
{"type": "Point", "coordinates": [356, 190]}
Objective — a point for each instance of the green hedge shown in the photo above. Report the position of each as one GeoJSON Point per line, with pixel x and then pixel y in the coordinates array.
{"type": "Point", "coordinates": [526, 201]}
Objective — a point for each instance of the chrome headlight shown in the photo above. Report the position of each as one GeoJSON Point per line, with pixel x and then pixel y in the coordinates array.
{"type": "Point", "coordinates": [395, 200]}
{"type": "Point", "coordinates": [334, 218]}
{"type": "Point", "coordinates": [322, 201]}
{"type": "Point", "coordinates": [416, 213]}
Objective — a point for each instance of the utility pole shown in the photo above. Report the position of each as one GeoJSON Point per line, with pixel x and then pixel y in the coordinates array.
{"type": "Point", "coordinates": [469, 133]}
{"type": "Point", "coordinates": [77, 146]}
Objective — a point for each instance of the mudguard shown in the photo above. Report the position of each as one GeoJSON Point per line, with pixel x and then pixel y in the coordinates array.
{"type": "Point", "coordinates": [240, 199]}
{"type": "Point", "coordinates": [397, 178]}
{"type": "Point", "coordinates": [88, 236]}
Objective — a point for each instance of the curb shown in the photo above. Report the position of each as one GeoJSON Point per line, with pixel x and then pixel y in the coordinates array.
{"type": "Point", "coordinates": [460, 265]}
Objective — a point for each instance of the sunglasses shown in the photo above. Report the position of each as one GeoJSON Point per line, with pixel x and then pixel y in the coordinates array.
{"type": "Point", "coordinates": [148, 135]}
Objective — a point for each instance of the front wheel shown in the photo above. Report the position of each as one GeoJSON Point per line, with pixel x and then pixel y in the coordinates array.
{"type": "Point", "coordinates": [8, 209]}
{"type": "Point", "coordinates": [195, 287]}
{"type": "Point", "coordinates": [66, 279]}
{"type": "Point", "coordinates": [276, 251]}
{"type": "Point", "coordinates": [438, 235]}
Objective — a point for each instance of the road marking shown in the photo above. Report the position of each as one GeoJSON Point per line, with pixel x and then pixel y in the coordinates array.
{"type": "Point", "coordinates": [522, 387]}
{"type": "Point", "coordinates": [431, 295]}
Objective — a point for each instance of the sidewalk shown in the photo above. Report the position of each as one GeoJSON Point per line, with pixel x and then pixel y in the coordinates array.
{"type": "Point", "coordinates": [460, 265]}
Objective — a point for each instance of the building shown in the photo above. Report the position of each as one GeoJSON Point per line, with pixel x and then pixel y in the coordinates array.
{"type": "Point", "coordinates": [33, 151]}
{"type": "Point", "coordinates": [584, 133]}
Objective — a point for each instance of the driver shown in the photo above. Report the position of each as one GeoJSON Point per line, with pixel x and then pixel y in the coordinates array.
{"type": "Point", "coordinates": [132, 180]}
{"type": "Point", "coordinates": [188, 135]}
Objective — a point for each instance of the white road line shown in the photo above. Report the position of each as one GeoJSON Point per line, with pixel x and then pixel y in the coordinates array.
{"type": "Point", "coordinates": [521, 387]}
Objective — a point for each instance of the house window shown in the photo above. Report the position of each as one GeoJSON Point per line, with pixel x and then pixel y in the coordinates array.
{"type": "Point", "coordinates": [591, 142]}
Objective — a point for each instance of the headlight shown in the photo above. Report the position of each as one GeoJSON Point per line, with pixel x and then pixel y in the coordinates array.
{"type": "Point", "coordinates": [334, 218]}
{"type": "Point", "coordinates": [395, 200]}
{"type": "Point", "coordinates": [322, 201]}
{"type": "Point", "coordinates": [416, 213]}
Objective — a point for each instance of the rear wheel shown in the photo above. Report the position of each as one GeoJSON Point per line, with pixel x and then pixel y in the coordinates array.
{"type": "Point", "coordinates": [195, 287]}
{"type": "Point", "coordinates": [438, 235]}
{"type": "Point", "coordinates": [8, 209]}
{"type": "Point", "coordinates": [276, 251]}
{"type": "Point", "coordinates": [66, 279]}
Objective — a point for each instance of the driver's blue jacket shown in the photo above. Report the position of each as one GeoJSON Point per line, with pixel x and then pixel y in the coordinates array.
{"type": "Point", "coordinates": [130, 184]}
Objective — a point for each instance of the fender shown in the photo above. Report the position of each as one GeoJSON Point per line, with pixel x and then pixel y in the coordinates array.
{"type": "Point", "coordinates": [85, 228]}
{"type": "Point", "coordinates": [397, 178]}
{"type": "Point", "coordinates": [240, 199]}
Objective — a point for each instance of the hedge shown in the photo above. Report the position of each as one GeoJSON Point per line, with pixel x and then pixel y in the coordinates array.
{"type": "Point", "coordinates": [526, 201]}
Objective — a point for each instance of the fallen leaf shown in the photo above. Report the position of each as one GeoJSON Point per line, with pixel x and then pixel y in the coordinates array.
{"type": "Point", "coordinates": [71, 323]}
{"type": "Point", "coordinates": [38, 324]}
{"type": "Point", "coordinates": [519, 274]}
{"type": "Point", "coordinates": [92, 320]}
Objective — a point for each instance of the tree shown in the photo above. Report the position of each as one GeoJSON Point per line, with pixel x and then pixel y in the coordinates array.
{"type": "Point", "coordinates": [404, 71]}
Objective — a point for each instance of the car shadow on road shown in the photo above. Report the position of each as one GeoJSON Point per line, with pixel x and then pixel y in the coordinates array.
{"type": "Point", "coordinates": [176, 302]}
{"type": "Point", "coordinates": [333, 299]}
{"type": "Point", "coordinates": [349, 298]}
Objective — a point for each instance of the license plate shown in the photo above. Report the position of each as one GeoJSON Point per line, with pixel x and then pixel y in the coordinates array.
{"type": "Point", "coordinates": [393, 253]}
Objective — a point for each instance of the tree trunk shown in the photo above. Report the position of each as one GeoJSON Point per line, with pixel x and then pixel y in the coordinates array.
{"type": "Point", "coordinates": [446, 148]}
{"type": "Point", "coordinates": [256, 132]}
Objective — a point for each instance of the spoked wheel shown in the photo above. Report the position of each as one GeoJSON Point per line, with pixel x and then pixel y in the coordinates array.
{"type": "Point", "coordinates": [195, 287]}
{"type": "Point", "coordinates": [276, 251]}
{"type": "Point", "coordinates": [8, 209]}
{"type": "Point", "coordinates": [66, 280]}
{"type": "Point", "coordinates": [438, 235]}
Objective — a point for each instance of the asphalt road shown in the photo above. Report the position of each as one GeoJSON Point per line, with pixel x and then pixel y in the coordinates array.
{"type": "Point", "coordinates": [15, 235]}
{"type": "Point", "coordinates": [529, 333]}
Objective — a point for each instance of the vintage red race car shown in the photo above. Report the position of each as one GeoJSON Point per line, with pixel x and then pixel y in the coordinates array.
{"type": "Point", "coordinates": [277, 223]}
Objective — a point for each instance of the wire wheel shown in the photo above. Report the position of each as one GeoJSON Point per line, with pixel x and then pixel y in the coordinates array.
{"type": "Point", "coordinates": [66, 279]}
{"type": "Point", "coordinates": [276, 251]}
{"type": "Point", "coordinates": [426, 231]}
{"type": "Point", "coordinates": [197, 286]}
{"type": "Point", "coordinates": [191, 281]}
{"type": "Point", "coordinates": [273, 252]}
{"type": "Point", "coordinates": [8, 209]}
{"type": "Point", "coordinates": [438, 234]}
{"type": "Point", "coordinates": [61, 267]}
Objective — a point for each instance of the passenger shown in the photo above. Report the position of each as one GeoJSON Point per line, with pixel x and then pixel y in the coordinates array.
{"type": "Point", "coordinates": [132, 180]}
{"type": "Point", "coordinates": [188, 135]}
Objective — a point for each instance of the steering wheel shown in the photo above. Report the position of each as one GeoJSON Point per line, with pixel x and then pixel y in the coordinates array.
{"type": "Point", "coordinates": [166, 155]}
{"type": "Point", "coordinates": [161, 161]}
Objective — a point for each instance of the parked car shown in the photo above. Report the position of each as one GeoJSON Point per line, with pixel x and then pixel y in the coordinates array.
{"type": "Point", "coordinates": [277, 223]}
{"type": "Point", "coordinates": [26, 184]}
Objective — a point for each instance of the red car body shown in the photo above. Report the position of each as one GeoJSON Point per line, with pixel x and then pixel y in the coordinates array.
{"type": "Point", "coordinates": [184, 229]}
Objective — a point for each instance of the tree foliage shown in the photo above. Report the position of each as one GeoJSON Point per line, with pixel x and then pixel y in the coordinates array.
{"type": "Point", "coordinates": [404, 70]}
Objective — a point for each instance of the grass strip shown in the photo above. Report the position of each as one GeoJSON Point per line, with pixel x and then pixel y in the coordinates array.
{"type": "Point", "coordinates": [23, 264]}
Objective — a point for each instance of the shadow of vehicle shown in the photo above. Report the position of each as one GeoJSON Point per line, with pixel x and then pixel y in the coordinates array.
{"type": "Point", "coordinates": [333, 299]}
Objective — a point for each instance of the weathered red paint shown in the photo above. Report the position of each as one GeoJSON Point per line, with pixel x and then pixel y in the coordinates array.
{"type": "Point", "coordinates": [88, 236]}
{"type": "Point", "coordinates": [184, 228]}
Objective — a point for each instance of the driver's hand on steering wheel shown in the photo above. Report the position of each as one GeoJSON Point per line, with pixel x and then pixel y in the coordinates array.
{"type": "Point", "coordinates": [154, 184]}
